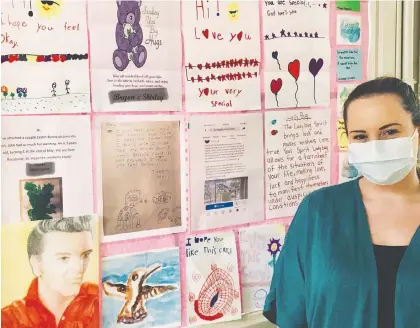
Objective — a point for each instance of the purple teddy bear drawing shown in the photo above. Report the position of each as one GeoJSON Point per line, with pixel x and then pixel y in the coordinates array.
{"type": "Point", "coordinates": [129, 35]}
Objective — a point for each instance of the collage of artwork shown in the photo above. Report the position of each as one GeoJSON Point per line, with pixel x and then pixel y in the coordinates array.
{"type": "Point", "coordinates": [155, 152]}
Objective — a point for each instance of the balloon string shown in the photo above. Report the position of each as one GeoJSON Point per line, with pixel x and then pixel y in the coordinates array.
{"type": "Point", "coordinates": [297, 88]}
{"type": "Point", "coordinates": [278, 63]}
{"type": "Point", "coordinates": [277, 101]}
{"type": "Point", "coordinates": [314, 91]}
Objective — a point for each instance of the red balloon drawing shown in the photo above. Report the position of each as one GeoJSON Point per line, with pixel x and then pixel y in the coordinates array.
{"type": "Point", "coordinates": [275, 87]}
{"type": "Point", "coordinates": [294, 69]}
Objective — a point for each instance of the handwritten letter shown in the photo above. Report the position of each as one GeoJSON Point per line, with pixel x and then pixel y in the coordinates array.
{"type": "Point", "coordinates": [297, 158]}
{"type": "Point", "coordinates": [140, 176]}
{"type": "Point", "coordinates": [222, 55]}
{"type": "Point", "coordinates": [349, 64]}
{"type": "Point", "coordinates": [213, 290]}
{"type": "Point", "coordinates": [44, 57]}
{"type": "Point", "coordinates": [260, 247]}
{"type": "Point", "coordinates": [297, 53]}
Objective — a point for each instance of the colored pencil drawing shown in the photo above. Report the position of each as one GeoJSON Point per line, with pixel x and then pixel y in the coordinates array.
{"type": "Point", "coordinates": [349, 30]}
{"type": "Point", "coordinates": [54, 273]}
{"type": "Point", "coordinates": [142, 289]}
{"type": "Point", "coordinates": [343, 141]}
{"type": "Point", "coordinates": [216, 296]}
{"type": "Point", "coordinates": [41, 199]}
{"type": "Point", "coordinates": [129, 36]}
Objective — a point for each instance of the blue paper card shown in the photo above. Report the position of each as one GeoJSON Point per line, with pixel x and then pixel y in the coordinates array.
{"type": "Point", "coordinates": [349, 64]}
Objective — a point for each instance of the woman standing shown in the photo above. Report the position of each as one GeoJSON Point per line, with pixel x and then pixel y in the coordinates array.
{"type": "Point", "coordinates": [351, 258]}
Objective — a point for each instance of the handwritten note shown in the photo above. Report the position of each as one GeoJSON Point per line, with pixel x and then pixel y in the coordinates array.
{"type": "Point", "coordinates": [349, 64]}
{"type": "Point", "coordinates": [213, 289]}
{"type": "Point", "coordinates": [297, 53]}
{"type": "Point", "coordinates": [53, 148]}
{"type": "Point", "coordinates": [259, 247]}
{"type": "Point", "coordinates": [136, 49]}
{"type": "Point", "coordinates": [226, 80]}
{"type": "Point", "coordinates": [349, 29]}
{"type": "Point", "coordinates": [140, 176]}
{"type": "Point", "coordinates": [44, 57]}
{"type": "Point", "coordinates": [297, 158]}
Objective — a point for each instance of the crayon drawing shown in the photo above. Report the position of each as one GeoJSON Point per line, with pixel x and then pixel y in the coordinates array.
{"type": "Point", "coordinates": [260, 248]}
{"type": "Point", "coordinates": [44, 57]}
{"type": "Point", "coordinates": [41, 199]}
{"type": "Point", "coordinates": [142, 289]}
{"type": "Point", "coordinates": [349, 29]}
{"type": "Point", "coordinates": [52, 273]}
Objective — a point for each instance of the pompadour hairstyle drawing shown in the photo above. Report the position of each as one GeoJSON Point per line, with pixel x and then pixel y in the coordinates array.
{"type": "Point", "coordinates": [68, 224]}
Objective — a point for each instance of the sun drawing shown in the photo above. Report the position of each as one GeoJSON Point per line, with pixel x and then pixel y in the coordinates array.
{"type": "Point", "coordinates": [49, 8]}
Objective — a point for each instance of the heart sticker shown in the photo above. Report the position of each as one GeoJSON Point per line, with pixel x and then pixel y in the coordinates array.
{"type": "Point", "coordinates": [294, 69]}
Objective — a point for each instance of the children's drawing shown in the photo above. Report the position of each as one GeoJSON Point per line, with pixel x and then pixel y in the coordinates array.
{"type": "Point", "coordinates": [343, 141]}
{"type": "Point", "coordinates": [216, 295]}
{"type": "Point", "coordinates": [293, 34]}
{"type": "Point", "coordinates": [349, 29]}
{"type": "Point", "coordinates": [216, 81]}
{"type": "Point", "coordinates": [344, 91]}
{"type": "Point", "coordinates": [275, 87]}
{"type": "Point", "coordinates": [142, 158]}
{"type": "Point", "coordinates": [41, 199]}
{"type": "Point", "coordinates": [46, 55]}
{"type": "Point", "coordinates": [275, 55]}
{"type": "Point", "coordinates": [58, 257]}
{"type": "Point", "coordinates": [294, 70]}
{"type": "Point", "coordinates": [142, 289]}
{"type": "Point", "coordinates": [49, 8]}
{"type": "Point", "coordinates": [212, 279]}
{"type": "Point", "coordinates": [260, 248]}
{"type": "Point", "coordinates": [129, 36]}
{"type": "Point", "coordinates": [314, 67]}
{"type": "Point", "coordinates": [347, 171]}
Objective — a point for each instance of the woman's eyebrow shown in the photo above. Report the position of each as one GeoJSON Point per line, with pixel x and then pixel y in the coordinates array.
{"type": "Point", "coordinates": [388, 125]}
{"type": "Point", "coordinates": [357, 131]}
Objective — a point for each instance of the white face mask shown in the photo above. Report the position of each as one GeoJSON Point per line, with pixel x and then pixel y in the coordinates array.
{"type": "Point", "coordinates": [384, 162]}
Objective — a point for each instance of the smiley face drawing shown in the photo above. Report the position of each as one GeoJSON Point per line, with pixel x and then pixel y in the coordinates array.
{"type": "Point", "coordinates": [233, 11]}
{"type": "Point", "coordinates": [49, 8]}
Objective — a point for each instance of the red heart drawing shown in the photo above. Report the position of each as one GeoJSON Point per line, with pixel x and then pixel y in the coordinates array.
{"type": "Point", "coordinates": [294, 69]}
{"type": "Point", "coordinates": [240, 35]}
{"type": "Point", "coordinates": [205, 33]}
{"type": "Point", "coordinates": [40, 59]}
{"type": "Point", "coordinates": [206, 91]}
{"type": "Point", "coordinates": [63, 58]}
{"type": "Point", "coordinates": [200, 66]}
{"type": "Point", "coordinates": [276, 85]}
{"type": "Point", "coordinates": [55, 58]}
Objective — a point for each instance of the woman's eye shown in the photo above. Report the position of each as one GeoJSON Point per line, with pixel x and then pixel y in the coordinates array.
{"type": "Point", "coordinates": [359, 137]}
{"type": "Point", "coordinates": [390, 132]}
{"type": "Point", "coordinates": [64, 258]}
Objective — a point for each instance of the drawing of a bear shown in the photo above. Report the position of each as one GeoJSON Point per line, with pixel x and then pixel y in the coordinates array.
{"type": "Point", "coordinates": [129, 35]}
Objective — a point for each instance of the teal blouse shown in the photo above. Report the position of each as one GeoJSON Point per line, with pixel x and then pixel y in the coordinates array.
{"type": "Point", "coordinates": [325, 276]}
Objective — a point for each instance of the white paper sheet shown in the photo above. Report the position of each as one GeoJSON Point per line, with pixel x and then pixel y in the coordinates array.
{"type": "Point", "coordinates": [64, 141]}
{"type": "Point", "coordinates": [213, 291]}
{"type": "Point", "coordinates": [222, 55]}
{"type": "Point", "coordinates": [298, 147]}
{"type": "Point", "coordinates": [161, 39]}
{"type": "Point", "coordinates": [45, 67]}
{"type": "Point", "coordinates": [227, 169]}
{"type": "Point", "coordinates": [297, 53]}
{"type": "Point", "coordinates": [98, 121]}
{"type": "Point", "coordinates": [260, 247]}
